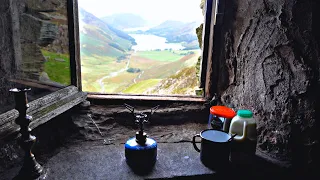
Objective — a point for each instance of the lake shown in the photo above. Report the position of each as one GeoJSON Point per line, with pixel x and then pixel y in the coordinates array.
{"type": "Point", "coordinates": [152, 42]}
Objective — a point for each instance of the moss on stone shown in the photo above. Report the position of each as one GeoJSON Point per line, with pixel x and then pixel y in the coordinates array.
{"type": "Point", "coordinates": [199, 34]}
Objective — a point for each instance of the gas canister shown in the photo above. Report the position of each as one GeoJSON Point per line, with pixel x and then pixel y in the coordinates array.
{"type": "Point", "coordinates": [141, 151]}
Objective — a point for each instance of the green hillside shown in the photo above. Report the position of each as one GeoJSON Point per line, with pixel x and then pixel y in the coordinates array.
{"type": "Point", "coordinates": [183, 82]}
{"type": "Point", "coordinates": [142, 86]}
{"type": "Point", "coordinates": [167, 69]}
{"type": "Point", "coordinates": [57, 67]}
{"type": "Point", "coordinates": [176, 31]}
{"type": "Point", "coordinates": [90, 19]}
{"type": "Point", "coordinates": [98, 38]}
{"type": "Point", "coordinates": [166, 56]}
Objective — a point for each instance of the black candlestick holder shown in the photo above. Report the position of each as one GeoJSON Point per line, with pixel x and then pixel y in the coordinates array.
{"type": "Point", "coordinates": [31, 169]}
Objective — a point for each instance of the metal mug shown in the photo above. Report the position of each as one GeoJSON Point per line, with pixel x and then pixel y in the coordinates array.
{"type": "Point", "coordinates": [215, 148]}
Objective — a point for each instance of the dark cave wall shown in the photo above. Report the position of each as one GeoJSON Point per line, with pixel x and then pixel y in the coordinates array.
{"type": "Point", "coordinates": [266, 58]}
{"type": "Point", "coordinates": [9, 46]}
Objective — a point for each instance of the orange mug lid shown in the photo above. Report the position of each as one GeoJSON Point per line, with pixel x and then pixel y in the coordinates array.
{"type": "Point", "coordinates": [222, 111]}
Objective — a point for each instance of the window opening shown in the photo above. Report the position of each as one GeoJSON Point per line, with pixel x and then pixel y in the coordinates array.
{"type": "Point", "coordinates": [141, 47]}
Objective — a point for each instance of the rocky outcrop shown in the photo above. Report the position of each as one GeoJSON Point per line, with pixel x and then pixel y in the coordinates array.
{"type": "Point", "coordinates": [199, 31]}
{"type": "Point", "coordinates": [48, 34]}
{"type": "Point", "coordinates": [45, 6]}
{"type": "Point", "coordinates": [35, 33]}
{"type": "Point", "coordinates": [267, 60]}
{"type": "Point", "coordinates": [39, 29]}
{"type": "Point", "coordinates": [61, 44]}
{"type": "Point", "coordinates": [183, 82]}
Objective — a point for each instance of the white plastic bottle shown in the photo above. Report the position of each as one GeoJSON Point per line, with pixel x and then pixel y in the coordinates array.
{"type": "Point", "coordinates": [244, 144]}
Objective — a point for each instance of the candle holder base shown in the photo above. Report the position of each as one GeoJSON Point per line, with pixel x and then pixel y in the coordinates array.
{"type": "Point", "coordinates": [31, 170]}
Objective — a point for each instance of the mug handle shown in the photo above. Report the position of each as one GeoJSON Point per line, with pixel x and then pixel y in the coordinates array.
{"type": "Point", "coordinates": [194, 142]}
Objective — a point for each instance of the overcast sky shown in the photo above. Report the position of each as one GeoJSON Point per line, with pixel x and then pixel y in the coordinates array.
{"type": "Point", "coordinates": [152, 10]}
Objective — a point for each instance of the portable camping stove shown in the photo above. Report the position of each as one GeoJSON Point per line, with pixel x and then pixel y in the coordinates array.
{"type": "Point", "coordinates": [141, 151]}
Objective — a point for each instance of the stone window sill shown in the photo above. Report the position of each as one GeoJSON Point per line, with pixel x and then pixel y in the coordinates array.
{"type": "Point", "coordinates": [99, 154]}
{"type": "Point", "coordinates": [108, 162]}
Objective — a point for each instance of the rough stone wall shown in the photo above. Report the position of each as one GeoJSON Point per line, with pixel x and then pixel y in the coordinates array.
{"type": "Point", "coordinates": [36, 32]}
{"type": "Point", "coordinates": [26, 27]}
{"type": "Point", "coordinates": [7, 53]}
{"type": "Point", "coordinates": [266, 59]}
{"type": "Point", "coordinates": [53, 15]}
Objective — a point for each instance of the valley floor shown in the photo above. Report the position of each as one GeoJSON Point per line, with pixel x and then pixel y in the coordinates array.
{"type": "Point", "coordinates": [141, 72]}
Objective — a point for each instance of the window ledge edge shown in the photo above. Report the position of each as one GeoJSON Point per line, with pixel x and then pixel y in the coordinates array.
{"type": "Point", "coordinates": [146, 98]}
{"type": "Point", "coordinates": [43, 109]}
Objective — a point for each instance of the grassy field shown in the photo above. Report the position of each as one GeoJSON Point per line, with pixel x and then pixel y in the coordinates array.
{"type": "Point", "coordinates": [143, 63]}
{"type": "Point", "coordinates": [141, 86]}
{"type": "Point", "coordinates": [186, 51]}
{"type": "Point", "coordinates": [119, 83]}
{"type": "Point", "coordinates": [57, 67]}
{"type": "Point", "coordinates": [165, 56]}
{"type": "Point", "coordinates": [165, 70]}
{"type": "Point", "coordinates": [94, 68]}
{"type": "Point", "coordinates": [163, 65]}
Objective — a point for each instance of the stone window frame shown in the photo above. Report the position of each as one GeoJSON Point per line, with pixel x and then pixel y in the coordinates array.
{"type": "Point", "coordinates": [205, 67]}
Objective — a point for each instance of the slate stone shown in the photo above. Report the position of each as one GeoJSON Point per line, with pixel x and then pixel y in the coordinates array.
{"type": "Point", "coordinates": [108, 162]}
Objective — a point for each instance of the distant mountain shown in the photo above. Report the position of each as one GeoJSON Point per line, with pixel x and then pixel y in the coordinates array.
{"type": "Point", "coordinates": [125, 20]}
{"type": "Point", "coordinates": [168, 25]}
{"type": "Point", "coordinates": [100, 38]}
{"type": "Point", "coordinates": [176, 31]}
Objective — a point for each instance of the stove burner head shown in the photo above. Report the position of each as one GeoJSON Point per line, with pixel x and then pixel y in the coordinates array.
{"type": "Point", "coordinates": [140, 119]}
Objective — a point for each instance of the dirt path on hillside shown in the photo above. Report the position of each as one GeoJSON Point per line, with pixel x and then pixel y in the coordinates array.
{"type": "Point", "coordinates": [111, 75]}
{"type": "Point", "coordinates": [138, 77]}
